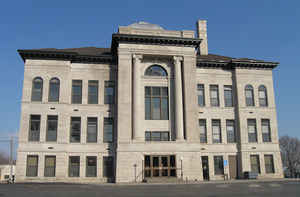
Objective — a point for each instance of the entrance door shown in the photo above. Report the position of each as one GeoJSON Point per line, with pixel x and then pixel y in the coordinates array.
{"type": "Point", "coordinates": [232, 166]}
{"type": "Point", "coordinates": [108, 168]}
{"type": "Point", "coordinates": [205, 167]}
{"type": "Point", "coordinates": [160, 166]}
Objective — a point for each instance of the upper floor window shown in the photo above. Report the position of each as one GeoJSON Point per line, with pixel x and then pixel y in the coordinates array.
{"type": "Point", "coordinates": [266, 131]}
{"type": "Point", "coordinates": [156, 103]}
{"type": "Point", "coordinates": [252, 132]}
{"type": "Point", "coordinates": [214, 95]}
{"type": "Point", "coordinates": [228, 97]}
{"type": "Point", "coordinates": [216, 131]}
{"type": "Point", "coordinates": [157, 136]}
{"type": "Point", "coordinates": [109, 92]}
{"type": "Point", "coordinates": [262, 95]}
{"type": "Point", "coordinates": [34, 131]}
{"type": "Point", "coordinates": [51, 133]}
{"type": "Point", "coordinates": [92, 131]}
{"type": "Point", "coordinates": [76, 91]}
{"type": "Point", "coordinates": [108, 130]}
{"type": "Point", "coordinates": [231, 136]}
{"type": "Point", "coordinates": [54, 90]}
{"type": "Point", "coordinates": [203, 133]}
{"type": "Point", "coordinates": [75, 129]}
{"type": "Point", "coordinates": [201, 95]}
{"type": "Point", "coordinates": [37, 89]}
{"type": "Point", "coordinates": [156, 70]}
{"type": "Point", "coordinates": [93, 92]}
{"type": "Point", "coordinates": [249, 95]}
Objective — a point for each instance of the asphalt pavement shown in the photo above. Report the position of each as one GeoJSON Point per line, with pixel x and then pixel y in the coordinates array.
{"type": "Point", "coordinates": [290, 188]}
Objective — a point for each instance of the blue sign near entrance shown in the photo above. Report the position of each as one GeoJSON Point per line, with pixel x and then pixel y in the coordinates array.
{"type": "Point", "coordinates": [225, 163]}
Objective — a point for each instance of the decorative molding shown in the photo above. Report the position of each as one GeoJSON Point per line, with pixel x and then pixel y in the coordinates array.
{"type": "Point", "coordinates": [154, 40]}
{"type": "Point", "coordinates": [68, 56]}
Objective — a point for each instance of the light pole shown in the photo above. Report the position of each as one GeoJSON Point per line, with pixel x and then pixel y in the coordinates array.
{"type": "Point", "coordinates": [142, 168]}
{"type": "Point", "coordinates": [11, 160]}
{"type": "Point", "coordinates": [181, 171]}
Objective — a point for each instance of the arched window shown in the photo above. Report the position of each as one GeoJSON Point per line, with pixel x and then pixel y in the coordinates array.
{"type": "Point", "coordinates": [156, 70]}
{"type": "Point", "coordinates": [262, 95]}
{"type": "Point", "coordinates": [249, 95]}
{"type": "Point", "coordinates": [37, 89]}
{"type": "Point", "coordinates": [54, 90]}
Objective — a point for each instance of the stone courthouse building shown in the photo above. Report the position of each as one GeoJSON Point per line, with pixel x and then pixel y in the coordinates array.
{"type": "Point", "coordinates": [154, 106]}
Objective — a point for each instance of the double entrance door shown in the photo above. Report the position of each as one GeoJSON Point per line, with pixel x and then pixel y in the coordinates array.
{"type": "Point", "coordinates": [160, 166]}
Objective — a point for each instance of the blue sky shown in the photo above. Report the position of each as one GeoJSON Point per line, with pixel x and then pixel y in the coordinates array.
{"type": "Point", "coordinates": [267, 30]}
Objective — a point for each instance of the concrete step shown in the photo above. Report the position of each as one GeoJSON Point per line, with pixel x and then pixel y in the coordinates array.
{"type": "Point", "coordinates": [164, 180]}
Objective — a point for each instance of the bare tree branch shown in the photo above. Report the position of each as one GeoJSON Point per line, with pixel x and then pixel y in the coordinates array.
{"type": "Point", "coordinates": [290, 153]}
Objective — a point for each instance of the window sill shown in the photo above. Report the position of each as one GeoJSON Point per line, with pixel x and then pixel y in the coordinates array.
{"type": "Point", "coordinates": [51, 142]}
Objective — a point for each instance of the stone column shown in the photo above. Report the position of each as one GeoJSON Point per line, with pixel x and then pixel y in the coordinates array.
{"type": "Point", "coordinates": [178, 99]}
{"type": "Point", "coordinates": [137, 105]}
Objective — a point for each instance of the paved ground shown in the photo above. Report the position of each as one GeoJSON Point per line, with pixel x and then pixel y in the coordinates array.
{"type": "Point", "coordinates": [240, 189]}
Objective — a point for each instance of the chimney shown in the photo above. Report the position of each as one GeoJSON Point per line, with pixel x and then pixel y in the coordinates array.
{"type": "Point", "coordinates": [202, 34]}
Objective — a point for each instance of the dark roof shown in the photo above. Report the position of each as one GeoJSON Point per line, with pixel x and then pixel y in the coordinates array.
{"type": "Point", "coordinates": [212, 60]}
{"type": "Point", "coordinates": [93, 51]}
{"type": "Point", "coordinates": [94, 54]}
{"type": "Point", "coordinates": [84, 54]}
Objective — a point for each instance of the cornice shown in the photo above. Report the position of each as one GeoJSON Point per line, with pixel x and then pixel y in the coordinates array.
{"type": "Point", "coordinates": [67, 56]}
{"type": "Point", "coordinates": [154, 40]}
{"type": "Point", "coordinates": [236, 63]}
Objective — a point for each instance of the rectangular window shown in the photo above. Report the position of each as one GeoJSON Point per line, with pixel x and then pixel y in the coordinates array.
{"type": "Point", "coordinates": [214, 95]}
{"type": "Point", "coordinates": [219, 166]}
{"type": "Point", "coordinates": [157, 136]}
{"type": "Point", "coordinates": [109, 92]}
{"type": "Point", "coordinates": [75, 129]}
{"type": "Point", "coordinates": [156, 103]}
{"type": "Point", "coordinates": [76, 91]}
{"type": "Point", "coordinates": [74, 166]}
{"type": "Point", "coordinates": [231, 136]}
{"type": "Point", "coordinates": [108, 130]}
{"type": "Point", "coordinates": [269, 164]}
{"type": "Point", "coordinates": [32, 165]}
{"type": "Point", "coordinates": [93, 92]}
{"type": "Point", "coordinates": [252, 132]}
{"type": "Point", "coordinates": [203, 135]}
{"type": "Point", "coordinates": [201, 95]}
{"type": "Point", "coordinates": [108, 166]}
{"type": "Point", "coordinates": [216, 131]}
{"type": "Point", "coordinates": [92, 130]}
{"type": "Point", "coordinates": [51, 135]}
{"type": "Point", "coordinates": [91, 166]}
{"type": "Point", "coordinates": [228, 97]}
{"type": "Point", "coordinates": [255, 164]}
{"type": "Point", "coordinates": [50, 165]}
{"type": "Point", "coordinates": [266, 131]}
{"type": "Point", "coordinates": [34, 132]}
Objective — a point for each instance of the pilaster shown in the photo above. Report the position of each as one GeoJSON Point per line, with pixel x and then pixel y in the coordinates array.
{"type": "Point", "coordinates": [179, 127]}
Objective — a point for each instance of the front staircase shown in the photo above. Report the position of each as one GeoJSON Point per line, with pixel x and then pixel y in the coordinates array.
{"type": "Point", "coordinates": [164, 180]}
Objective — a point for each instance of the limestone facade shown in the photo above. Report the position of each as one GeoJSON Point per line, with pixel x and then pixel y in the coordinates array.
{"type": "Point", "coordinates": [177, 52]}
